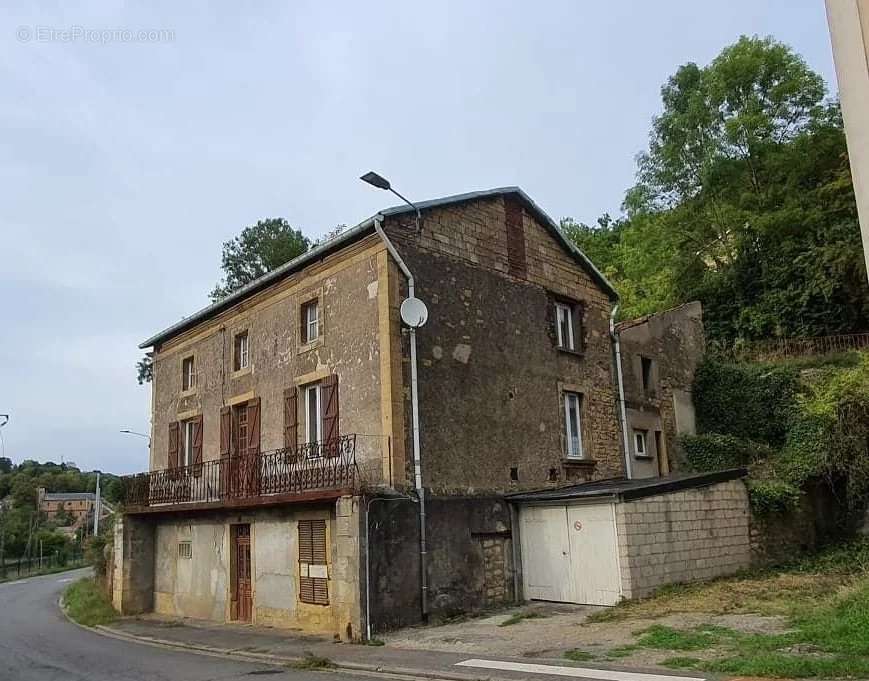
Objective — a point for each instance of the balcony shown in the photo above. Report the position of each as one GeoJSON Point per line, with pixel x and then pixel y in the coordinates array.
{"type": "Point", "coordinates": [318, 470]}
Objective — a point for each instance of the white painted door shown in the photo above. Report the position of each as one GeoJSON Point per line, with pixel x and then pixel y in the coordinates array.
{"type": "Point", "coordinates": [545, 553]}
{"type": "Point", "coordinates": [594, 554]}
{"type": "Point", "coordinates": [570, 554]}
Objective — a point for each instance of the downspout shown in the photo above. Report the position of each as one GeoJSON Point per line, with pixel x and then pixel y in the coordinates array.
{"type": "Point", "coordinates": [414, 409]}
{"type": "Point", "coordinates": [617, 351]}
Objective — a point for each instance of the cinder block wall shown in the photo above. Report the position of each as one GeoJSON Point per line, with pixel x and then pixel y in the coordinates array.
{"type": "Point", "coordinates": [684, 536]}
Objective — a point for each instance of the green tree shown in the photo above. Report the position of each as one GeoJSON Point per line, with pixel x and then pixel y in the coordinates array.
{"type": "Point", "coordinates": [259, 249]}
{"type": "Point", "coordinates": [743, 201]}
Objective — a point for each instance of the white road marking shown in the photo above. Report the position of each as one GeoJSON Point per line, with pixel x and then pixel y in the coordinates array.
{"type": "Point", "coordinates": [64, 581]}
{"type": "Point", "coordinates": [579, 672]}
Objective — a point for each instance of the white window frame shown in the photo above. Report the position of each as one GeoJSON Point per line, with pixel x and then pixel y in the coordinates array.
{"type": "Point", "coordinates": [312, 319]}
{"type": "Point", "coordinates": [564, 313]}
{"type": "Point", "coordinates": [243, 340]}
{"type": "Point", "coordinates": [574, 448]}
{"type": "Point", "coordinates": [641, 439]}
{"type": "Point", "coordinates": [189, 430]}
{"type": "Point", "coordinates": [315, 434]}
{"type": "Point", "coordinates": [188, 373]}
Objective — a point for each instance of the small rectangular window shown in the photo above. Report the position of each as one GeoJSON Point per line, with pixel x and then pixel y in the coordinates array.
{"type": "Point", "coordinates": [242, 351]}
{"type": "Point", "coordinates": [640, 448]}
{"type": "Point", "coordinates": [564, 326]}
{"type": "Point", "coordinates": [188, 374]}
{"type": "Point", "coordinates": [646, 365]}
{"type": "Point", "coordinates": [313, 421]}
{"type": "Point", "coordinates": [573, 424]}
{"type": "Point", "coordinates": [310, 321]}
{"type": "Point", "coordinates": [185, 550]}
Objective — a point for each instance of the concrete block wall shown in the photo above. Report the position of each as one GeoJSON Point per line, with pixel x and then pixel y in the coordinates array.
{"type": "Point", "coordinates": [685, 536]}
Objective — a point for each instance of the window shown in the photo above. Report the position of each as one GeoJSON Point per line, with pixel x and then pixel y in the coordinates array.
{"type": "Point", "coordinates": [568, 326]}
{"type": "Point", "coordinates": [185, 549]}
{"type": "Point", "coordinates": [646, 367]}
{"type": "Point", "coordinates": [640, 448]}
{"type": "Point", "coordinates": [573, 427]}
{"type": "Point", "coordinates": [188, 435]}
{"type": "Point", "coordinates": [188, 374]}
{"type": "Point", "coordinates": [241, 355]}
{"type": "Point", "coordinates": [313, 571]}
{"type": "Point", "coordinates": [313, 422]}
{"type": "Point", "coordinates": [240, 435]}
{"type": "Point", "coordinates": [310, 321]}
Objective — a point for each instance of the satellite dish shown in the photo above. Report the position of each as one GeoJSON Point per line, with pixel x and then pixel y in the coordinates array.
{"type": "Point", "coordinates": [414, 313]}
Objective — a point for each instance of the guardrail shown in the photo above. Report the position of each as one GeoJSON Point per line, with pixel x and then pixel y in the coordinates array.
{"type": "Point", "coordinates": [251, 477]}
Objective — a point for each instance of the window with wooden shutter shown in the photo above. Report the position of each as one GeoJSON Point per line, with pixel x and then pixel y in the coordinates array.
{"type": "Point", "coordinates": [329, 398]}
{"type": "Point", "coordinates": [225, 431]}
{"type": "Point", "coordinates": [291, 417]}
{"type": "Point", "coordinates": [173, 445]}
{"type": "Point", "coordinates": [313, 571]}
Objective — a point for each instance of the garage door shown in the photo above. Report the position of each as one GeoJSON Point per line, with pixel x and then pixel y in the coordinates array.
{"type": "Point", "coordinates": [569, 554]}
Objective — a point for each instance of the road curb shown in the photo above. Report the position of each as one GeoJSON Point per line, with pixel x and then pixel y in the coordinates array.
{"type": "Point", "coordinates": [265, 658]}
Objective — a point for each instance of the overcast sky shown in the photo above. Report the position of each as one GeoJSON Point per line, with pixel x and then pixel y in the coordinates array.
{"type": "Point", "coordinates": [124, 166]}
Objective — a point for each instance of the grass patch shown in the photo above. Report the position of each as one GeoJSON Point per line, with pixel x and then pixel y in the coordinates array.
{"type": "Point", "coordinates": [313, 662]}
{"type": "Point", "coordinates": [579, 655]}
{"type": "Point", "coordinates": [374, 642]}
{"type": "Point", "coordinates": [87, 604]}
{"type": "Point", "coordinates": [517, 617]}
{"type": "Point", "coordinates": [668, 638]}
{"type": "Point", "coordinates": [622, 651]}
{"type": "Point", "coordinates": [681, 662]}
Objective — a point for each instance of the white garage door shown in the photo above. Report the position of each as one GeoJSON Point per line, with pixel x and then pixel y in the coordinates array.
{"type": "Point", "coordinates": [569, 554]}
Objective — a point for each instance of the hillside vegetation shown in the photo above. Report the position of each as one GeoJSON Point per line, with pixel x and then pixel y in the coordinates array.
{"type": "Point", "coordinates": [743, 201]}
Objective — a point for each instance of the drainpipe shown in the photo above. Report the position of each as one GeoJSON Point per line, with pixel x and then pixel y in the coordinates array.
{"type": "Point", "coordinates": [414, 409]}
{"type": "Point", "coordinates": [617, 351]}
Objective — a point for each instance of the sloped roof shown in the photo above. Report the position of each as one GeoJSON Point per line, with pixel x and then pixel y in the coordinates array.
{"type": "Point", "coordinates": [363, 229]}
{"type": "Point", "coordinates": [69, 496]}
{"type": "Point", "coordinates": [627, 490]}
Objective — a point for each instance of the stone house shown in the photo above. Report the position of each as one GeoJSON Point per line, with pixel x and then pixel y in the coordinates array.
{"type": "Point", "coordinates": [322, 460]}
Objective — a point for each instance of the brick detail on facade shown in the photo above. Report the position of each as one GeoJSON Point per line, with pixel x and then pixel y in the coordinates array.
{"type": "Point", "coordinates": [686, 536]}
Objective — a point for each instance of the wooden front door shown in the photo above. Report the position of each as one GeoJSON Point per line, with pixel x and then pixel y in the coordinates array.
{"type": "Point", "coordinates": [242, 599]}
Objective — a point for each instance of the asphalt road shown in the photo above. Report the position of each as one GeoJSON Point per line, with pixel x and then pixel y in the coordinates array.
{"type": "Point", "coordinates": [37, 643]}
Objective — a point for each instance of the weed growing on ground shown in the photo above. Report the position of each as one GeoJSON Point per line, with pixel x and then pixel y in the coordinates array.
{"type": "Point", "coordinates": [515, 618]}
{"type": "Point", "coordinates": [311, 661]}
{"type": "Point", "coordinates": [86, 604]}
{"type": "Point", "coordinates": [579, 655]}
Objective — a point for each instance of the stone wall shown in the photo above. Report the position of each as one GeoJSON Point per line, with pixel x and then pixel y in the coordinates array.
{"type": "Point", "coordinates": [355, 314]}
{"type": "Point", "coordinates": [470, 558]}
{"type": "Point", "coordinates": [685, 536]}
{"type": "Point", "coordinates": [133, 579]}
{"type": "Point", "coordinates": [674, 341]}
{"type": "Point", "coordinates": [491, 377]}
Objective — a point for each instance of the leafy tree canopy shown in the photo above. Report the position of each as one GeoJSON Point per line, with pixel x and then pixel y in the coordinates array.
{"type": "Point", "coordinates": [259, 249]}
{"type": "Point", "coordinates": [743, 201]}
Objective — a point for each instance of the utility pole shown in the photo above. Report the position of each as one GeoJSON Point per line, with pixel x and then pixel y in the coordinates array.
{"type": "Point", "coordinates": [97, 508]}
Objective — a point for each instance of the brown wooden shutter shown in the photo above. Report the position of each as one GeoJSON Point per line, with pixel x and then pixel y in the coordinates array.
{"type": "Point", "coordinates": [225, 431]}
{"type": "Point", "coordinates": [174, 444]}
{"type": "Point", "coordinates": [253, 426]}
{"type": "Point", "coordinates": [291, 417]}
{"type": "Point", "coordinates": [329, 396]}
{"type": "Point", "coordinates": [197, 440]}
{"type": "Point", "coordinates": [312, 551]}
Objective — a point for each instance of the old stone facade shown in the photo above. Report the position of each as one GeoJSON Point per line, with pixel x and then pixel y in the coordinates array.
{"type": "Point", "coordinates": [281, 489]}
{"type": "Point", "coordinates": [660, 353]}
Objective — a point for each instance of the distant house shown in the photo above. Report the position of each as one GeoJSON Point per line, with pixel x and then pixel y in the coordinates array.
{"type": "Point", "coordinates": [307, 427]}
{"type": "Point", "coordinates": [79, 505]}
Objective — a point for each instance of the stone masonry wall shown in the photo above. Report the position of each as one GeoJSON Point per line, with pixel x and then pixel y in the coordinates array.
{"type": "Point", "coordinates": [685, 536]}
{"type": "Point", "coordinates": [490, 375]}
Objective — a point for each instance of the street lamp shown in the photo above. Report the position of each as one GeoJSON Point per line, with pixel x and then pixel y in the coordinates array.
{"type": "Point", "coordinates": [381, 182]}
{"type": "Point", "coordinates": [133, 432]}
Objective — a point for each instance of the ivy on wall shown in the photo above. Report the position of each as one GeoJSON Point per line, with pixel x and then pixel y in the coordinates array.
{"type": "Point", "coordinates": [788, 423]}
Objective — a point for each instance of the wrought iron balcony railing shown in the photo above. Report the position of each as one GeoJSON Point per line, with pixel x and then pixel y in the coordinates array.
{"type": "Point", "coordinates": [254, 478]}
